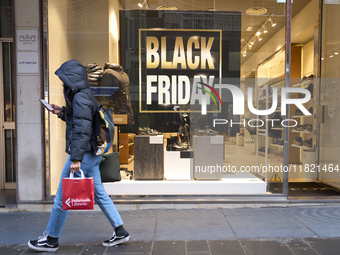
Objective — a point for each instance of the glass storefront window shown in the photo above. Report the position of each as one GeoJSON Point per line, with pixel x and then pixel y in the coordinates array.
{"type": "Point", "coordinates": [6, 22]}
{"type": "Point", "coordinates": [185, 83]}
{"type": "Point", "coordinates": [9, 102]}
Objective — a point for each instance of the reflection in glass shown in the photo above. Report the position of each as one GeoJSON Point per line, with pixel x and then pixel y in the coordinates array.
{"type": "Point", "coordinates": [10, 155]}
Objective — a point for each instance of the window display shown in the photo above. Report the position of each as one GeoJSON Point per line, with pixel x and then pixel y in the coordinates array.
{"type": "Point", "coordinates": [162, 74]}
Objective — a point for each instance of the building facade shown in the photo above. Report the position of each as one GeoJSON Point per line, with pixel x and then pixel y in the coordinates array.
{"type": "Point", "coordinates": [210, 98]}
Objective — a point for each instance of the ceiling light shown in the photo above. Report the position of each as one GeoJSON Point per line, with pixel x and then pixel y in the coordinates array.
{"type": "Point", "coordinates": [331, 56]}
{"type": "Point", "coordinates": [144, 3]}
{"type": "Point", "coordinates": [244, 54]}
{"type": "Point", "coordinates": [167, 8]}
{"type": "Point", "coordinates": [265, 30]}
{"type": "Point", "coordinates": [249, 45]}
{"type": "Point", "coordinates": [256, 11]}
{"type": "Point", "coordinates": [258, 33]}
{"type": "Point", "coordinates": [249, 28]}
{"type": "Point", "coordinates": [272, 21]}
{"type": "Point", "coordinates": [259, 38]}
{"type": "Point", "coordinates": [322, 59]}
{"type": "Point", "coordinates": [336, 53]}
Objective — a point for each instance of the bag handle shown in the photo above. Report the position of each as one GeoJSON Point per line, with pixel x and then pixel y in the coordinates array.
{"type": "Point", "coordinates": [81, 172]}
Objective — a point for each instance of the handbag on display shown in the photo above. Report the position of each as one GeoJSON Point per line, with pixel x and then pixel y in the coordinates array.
{"type": "Point", "coordinates": [78, 192]}
{"type": "Point", "coordinates": [110, 167]}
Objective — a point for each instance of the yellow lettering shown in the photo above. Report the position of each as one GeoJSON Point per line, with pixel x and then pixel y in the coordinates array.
{"type": "Point", "coordinates": [179, 58]}
{"type": "Point", "coordinates": [152, 52]}
{"type": "Point", "coordinates": [193, 64]}
{"type": "Point", "coordinates": [164, 63]}
{"type": "Point", "coordinates": [205, 53]}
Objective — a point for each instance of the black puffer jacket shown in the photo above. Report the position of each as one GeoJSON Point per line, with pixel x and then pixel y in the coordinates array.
{"type": "Point", "coordinates": [79, 127]}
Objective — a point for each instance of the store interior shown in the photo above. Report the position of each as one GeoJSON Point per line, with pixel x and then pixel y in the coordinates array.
{"type": "Point", "coordinates": [91, 33]}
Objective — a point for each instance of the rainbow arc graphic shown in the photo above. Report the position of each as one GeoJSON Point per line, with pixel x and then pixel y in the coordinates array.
{"type": "Point", "coordinates": [209, 93]}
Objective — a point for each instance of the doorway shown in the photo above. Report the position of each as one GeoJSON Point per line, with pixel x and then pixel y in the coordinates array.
{"type": "Point", "coordinates": [7, 118]}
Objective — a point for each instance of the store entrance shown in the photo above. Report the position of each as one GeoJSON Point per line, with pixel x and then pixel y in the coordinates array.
{"type": "Point", "coordinates": [7, 118]}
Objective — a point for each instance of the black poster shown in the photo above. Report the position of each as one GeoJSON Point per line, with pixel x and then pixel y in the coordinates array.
{"type": "Point", "coordinates": [174, 58]}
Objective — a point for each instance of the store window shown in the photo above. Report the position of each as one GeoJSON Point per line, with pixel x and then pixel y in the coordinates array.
{"type": "Point", "coordinates": [329, 96]}
{"type": "Point", "coordinates": [185, 81]}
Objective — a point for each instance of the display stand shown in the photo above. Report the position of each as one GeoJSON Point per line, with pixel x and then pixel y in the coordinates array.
{"type": "Point", "coordinates": [126, 149]}
{"type": "Point", "coordinates": [149, 157]}
{"type": "Point", "coordinates": [177, 165]}
{"type": "Point", "coordinates": [208, 153]}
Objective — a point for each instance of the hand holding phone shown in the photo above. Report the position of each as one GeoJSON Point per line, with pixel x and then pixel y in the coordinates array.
{"type": "Point", "coordinates": [46, 105]}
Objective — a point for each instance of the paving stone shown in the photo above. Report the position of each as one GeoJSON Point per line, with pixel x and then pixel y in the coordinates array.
{"type": "Point", "coordinates": [164, 248]}
{"type": "Point", "coordinates": [95, 229]}
{"type": "Point", "coordinates": [329, 246]}
{"type": "Point", "coordinates": [265, 223]}
{"type": "Point", "coordinates": [131, 247]}
{"type": "Point", "coordinates": [304, 251]}
{"type": "Point", "coordinates": [198, 253]}
{"type": "Point", "coordinates": [91, 249]}
{"type": "Point", "coordinates": [64, 250]}
{"type": "Point", "coordinates": [324, 221]}
{"type": "Point", "coordinates": [192, 225]}
{"type": "Point", "coordinates": [7, 219]}
{"type": "Point", "coordinates": [296, 243]}
{"type": "Point", "coordinates": [226, 247]}
{"type": "Point", "coordinates": [140, 224]}
{"type": "Point", "coordinates": [197, 246]}
{"type": "Point", "coordinates": [73, 223]}
{"type": "Point", "coordinates": [12, 249]}
{"type": "Point", "coordinates": [256, 247]}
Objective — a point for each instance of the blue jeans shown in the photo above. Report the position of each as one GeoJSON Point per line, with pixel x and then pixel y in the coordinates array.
{"type": "Point", "coordinates": [90, 167]}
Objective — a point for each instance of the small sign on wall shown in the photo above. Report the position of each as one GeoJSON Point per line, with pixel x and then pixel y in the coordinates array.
{"type": "Point", "coordinates": [28, 62]}
{"type": "Point", "coordinates": [27, 40]}
{"type": "Point", "coordinates": [119, 119]}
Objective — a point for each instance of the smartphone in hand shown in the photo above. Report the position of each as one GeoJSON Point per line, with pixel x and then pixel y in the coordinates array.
{"type": "Point", "coordinates": [46, 105]}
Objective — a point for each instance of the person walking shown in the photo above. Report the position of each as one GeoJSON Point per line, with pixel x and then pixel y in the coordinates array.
{"type": "Point", "coordinates": [78, 115]}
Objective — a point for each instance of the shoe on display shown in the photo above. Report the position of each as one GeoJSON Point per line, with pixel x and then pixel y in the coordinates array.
{"type": "Point", "coordinates": [308, 143]}
{"type": "Point", "coordinates": [297, 127]}
{"type": "Point", "coordinates": [311, 110]}
{"type": "Point", "coordinates": [309, 128]}
{"type": "Point", "coordinates": [275, 141]}
{"type": "Point", "coordinates": [172, 146]}
{"type": "Point", "coordinates": [298, 112]}
{"type": "Point", "coordinates": [114, 240]}
{"type": "Point", "coordinates": [147, 131]}
{"type": "Point", "coordinates": [280, 141]}
{"type": "Point", "coordinates": [43, 244]}
{"type": "Point", "coordinates": [298, 141]}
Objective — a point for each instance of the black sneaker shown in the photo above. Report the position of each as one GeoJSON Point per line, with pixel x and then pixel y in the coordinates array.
{"type": "Point", "coordinates": [42, 244]}
{"type": "Point", "coordinates": [114, 240]}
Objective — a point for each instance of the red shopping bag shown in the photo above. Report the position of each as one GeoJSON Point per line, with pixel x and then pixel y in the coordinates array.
{"type": "Point", "coordinates": [78, 193]}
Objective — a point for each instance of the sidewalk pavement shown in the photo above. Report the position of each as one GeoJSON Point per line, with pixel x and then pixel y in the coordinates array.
{"type": "Point", "coordinates": [252, 231]}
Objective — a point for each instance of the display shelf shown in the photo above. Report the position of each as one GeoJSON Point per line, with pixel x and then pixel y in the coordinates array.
{"type": "Point", "coordinates": [262, 153]}
{"type": "Point", "coordinates": [276, 145]}
{"type": "Point", "coordinates": [274, 67]}
{"type": "Point", "coordinates": [301, 116]}
{"type": "Point", "coordinates": [304, 132]}
{"type": "Point", "coordinates": [131, 159]}
{"type": "Point", "coordinates": [301, 147]}
{"type": "Point", "coordinates": [126, 152]}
